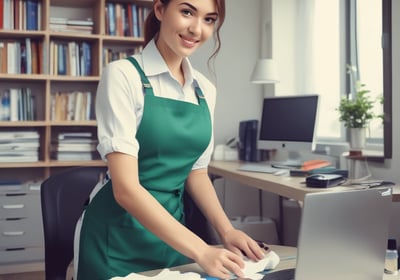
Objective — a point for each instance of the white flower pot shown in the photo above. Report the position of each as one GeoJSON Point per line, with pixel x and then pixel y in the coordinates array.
{"type": "Point", "coordinates": [357, 138]}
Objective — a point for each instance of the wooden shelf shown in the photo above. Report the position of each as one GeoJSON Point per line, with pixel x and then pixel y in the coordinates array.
{"type": "Point", "coordinates": [44, 87]}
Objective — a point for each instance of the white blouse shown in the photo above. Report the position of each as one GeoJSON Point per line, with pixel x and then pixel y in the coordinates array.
{"type": "Point", "coordinates": [120, 100]}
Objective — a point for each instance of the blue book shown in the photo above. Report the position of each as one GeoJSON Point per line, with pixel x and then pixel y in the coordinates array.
{"type": "Point", "coordinates": [111, 19]}
{"type": "Point", "coordinates": [135, 21]}
{"type": "Point", "coordinates": [32, 15]}
{"type": "Point", "coordinates": [62, 59]}
{"type": "Point", "coordinates": [87, 59]}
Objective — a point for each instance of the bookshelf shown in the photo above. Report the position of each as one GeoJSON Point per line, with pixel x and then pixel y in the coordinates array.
{"type": "Point", "coordinates": [52, 58]}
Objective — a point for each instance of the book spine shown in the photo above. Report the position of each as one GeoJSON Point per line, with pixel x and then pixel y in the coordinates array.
{"type": "Point", "coordinates": [111, 19]}
{"type": "Point", "coordinates": [14, 104]}
{"type": "Point", "coordinates": [31, 15]}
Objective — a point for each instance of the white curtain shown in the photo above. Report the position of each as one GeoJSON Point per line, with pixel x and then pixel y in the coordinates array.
{"type": "Point", "coordinates": [304, 49]}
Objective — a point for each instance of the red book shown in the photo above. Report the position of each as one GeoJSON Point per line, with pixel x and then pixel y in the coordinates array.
{"type": "Point", "coordinates": [314, 163]}
{"type": "Point", "coordinates": [1, 13]}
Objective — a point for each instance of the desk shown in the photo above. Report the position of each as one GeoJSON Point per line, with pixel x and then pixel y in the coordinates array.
{"type": "Point", "coordinates": [290, 187]}
{"type": "Point", "coordinates": [287, 255]}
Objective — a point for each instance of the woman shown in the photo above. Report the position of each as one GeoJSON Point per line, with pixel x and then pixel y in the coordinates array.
{"type": "Point", "coordinates": [154, 116]}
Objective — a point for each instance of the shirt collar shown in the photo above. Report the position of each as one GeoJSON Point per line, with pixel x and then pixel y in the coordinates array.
{"type": "Point", "coordinates": [154, 64]}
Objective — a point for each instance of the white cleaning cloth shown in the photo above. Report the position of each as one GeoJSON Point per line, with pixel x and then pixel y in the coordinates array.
{"type": "Point", "coordinates": [251, 270]}
{"type": "Point", "coordinates": [165, 274]}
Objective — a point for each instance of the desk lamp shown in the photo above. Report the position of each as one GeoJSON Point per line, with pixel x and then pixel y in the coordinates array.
{"type": "Point", "coordinates": [264, 72]}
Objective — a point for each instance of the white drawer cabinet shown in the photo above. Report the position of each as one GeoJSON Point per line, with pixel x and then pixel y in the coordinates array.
{"type": "Point", "coordinates": [21, 227]}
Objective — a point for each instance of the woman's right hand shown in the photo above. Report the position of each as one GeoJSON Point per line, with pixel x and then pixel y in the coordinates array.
{"type": "Point", "coordinates": [221, 263]}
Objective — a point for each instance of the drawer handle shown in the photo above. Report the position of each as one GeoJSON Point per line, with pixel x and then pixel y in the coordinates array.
{"type": "Point", "coordinates": [13, 206]}
{"type": "Point", "coordinates": [13, 233]}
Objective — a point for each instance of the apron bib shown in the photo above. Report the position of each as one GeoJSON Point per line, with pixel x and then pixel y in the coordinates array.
{"type": "Point", "coordinates": [172, 135]}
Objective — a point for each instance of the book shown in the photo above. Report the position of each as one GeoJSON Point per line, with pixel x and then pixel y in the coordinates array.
{"type": "Point", "coordinates": [111, 19]}
{"type": "Point", "coordinates": [14, 104]}
{"type": "Point", "coordinates": [35, 56]}
{"type": "Point", "coordinates": [27, 135]}
{"type": "Point", "coordinates": [3, 57]}
{"type": "Point", "coordinates": [314, 163]}
{"type": "Point", "coordinates": [322, 170]}
{"type": "Point", "coordinates": [11, 57]}
{"type": "Point", "coordinates": [87, 59]}
{"type": "Point", "coordinates": [76, 147]}
{"type": "Point", "coordinates": [32, 15]}
{"type": "Point", "coordinates": [1, 14]}
{"type": "Point", "coordinates": [63, 156]}
{"type": "Point", "coordinates": [305, 166]}
{"type": "Point", "coordinates": [74, 135]}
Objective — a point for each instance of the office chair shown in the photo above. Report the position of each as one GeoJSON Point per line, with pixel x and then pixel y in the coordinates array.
{"type": "Point", "coordinates": [63, 197]}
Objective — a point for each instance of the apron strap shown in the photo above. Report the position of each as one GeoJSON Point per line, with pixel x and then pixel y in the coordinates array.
{"type": "Point", "coordinates": [145, 82]}
{"type": "Point", "coordinates": [199, 92]}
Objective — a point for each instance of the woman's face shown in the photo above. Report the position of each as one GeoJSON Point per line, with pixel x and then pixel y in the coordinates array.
{"type": "Point", "coordinates": [185, 26]}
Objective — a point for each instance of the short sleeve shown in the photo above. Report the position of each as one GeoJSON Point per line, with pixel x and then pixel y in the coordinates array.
{"type": "Point", "coordinates": [117, 101]}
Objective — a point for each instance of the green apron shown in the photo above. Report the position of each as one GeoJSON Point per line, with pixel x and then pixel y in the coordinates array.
{"type": "Point", "coordinates": [172, 135]}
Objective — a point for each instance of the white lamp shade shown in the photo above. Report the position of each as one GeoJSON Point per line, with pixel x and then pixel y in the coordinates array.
{"type": "Point", "coordinates": [264, 72]}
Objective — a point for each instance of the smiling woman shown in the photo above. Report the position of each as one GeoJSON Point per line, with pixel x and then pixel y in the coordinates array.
{"type": "Point", "coordinates": [155, 122]}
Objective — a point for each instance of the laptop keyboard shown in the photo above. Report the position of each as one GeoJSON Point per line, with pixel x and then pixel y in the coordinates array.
{"type": "Point", "coordinates": [285, 274]}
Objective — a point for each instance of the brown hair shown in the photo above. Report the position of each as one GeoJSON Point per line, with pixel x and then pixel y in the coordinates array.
{"type": "Point", "coordinates": [152, 25]}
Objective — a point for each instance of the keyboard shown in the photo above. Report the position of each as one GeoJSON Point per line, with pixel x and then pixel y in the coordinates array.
{"type": "Point", "coordinates": [284, 274]}
{"type": "Point", "coordinates": [257, 167]}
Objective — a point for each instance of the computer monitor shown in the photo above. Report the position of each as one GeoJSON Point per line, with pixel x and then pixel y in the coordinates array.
{"type": "Point", "coordinates": [287, 126]}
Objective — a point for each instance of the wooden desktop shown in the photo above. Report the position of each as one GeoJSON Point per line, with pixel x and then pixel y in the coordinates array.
{"type": "Point", "coordinates": [285, 186]}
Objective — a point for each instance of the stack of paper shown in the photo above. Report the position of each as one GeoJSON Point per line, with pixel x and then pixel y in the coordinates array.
{"type": "Point", "coordinates": [74, 146]}
{"type": "Point", "coordinates": [19, 146]}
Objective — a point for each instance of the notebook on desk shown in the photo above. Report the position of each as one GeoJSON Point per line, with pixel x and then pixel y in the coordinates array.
{"type": "Point", "coordinates": [343, 235]}
{"type": "Point", "coordinates": [258, 167]}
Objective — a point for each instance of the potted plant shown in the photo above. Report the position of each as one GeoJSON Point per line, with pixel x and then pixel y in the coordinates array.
{"type": "Point", "coordinates": [356, 111]}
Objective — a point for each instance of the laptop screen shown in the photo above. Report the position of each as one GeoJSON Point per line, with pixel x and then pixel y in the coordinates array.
{"type": "Point", "coordinates": [343, 235]}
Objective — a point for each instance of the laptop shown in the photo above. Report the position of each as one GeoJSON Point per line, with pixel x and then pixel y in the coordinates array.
{"type": "Point", "coordinates": [343, 235]}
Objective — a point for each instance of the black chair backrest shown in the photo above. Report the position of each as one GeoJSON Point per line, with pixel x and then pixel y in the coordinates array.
{"type": "Point", "coordinates": [63, 197]}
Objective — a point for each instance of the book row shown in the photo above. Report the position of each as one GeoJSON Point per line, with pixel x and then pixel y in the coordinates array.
{"type": "Point", "coordinates": [70, 58]}
{"type": "Point", "coordinates": [111, 54]}
{"type": "Point", "coordinates": [125, 19]}
{"type": "Point", "coordinates": [21, 56]}
{"type": "Point", "coordinates": [71, 25]}
{"type": "Point", "coordinates": [72, 106]}
{"type": "Point", "coordinates": [17, 104]}
{"type": "Point", "coordinates": [20, 14]}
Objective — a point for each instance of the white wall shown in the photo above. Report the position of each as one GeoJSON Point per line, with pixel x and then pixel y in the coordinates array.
{"type": "Point", "coordinates": [237, 98]}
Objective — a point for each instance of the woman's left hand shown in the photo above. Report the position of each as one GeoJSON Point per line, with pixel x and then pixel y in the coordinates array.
{"type": "Point", "coordinates": [240, 243]}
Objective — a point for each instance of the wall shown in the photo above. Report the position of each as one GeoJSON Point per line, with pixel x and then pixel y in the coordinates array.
{"type": "Point", "coordinates": [237, 98]}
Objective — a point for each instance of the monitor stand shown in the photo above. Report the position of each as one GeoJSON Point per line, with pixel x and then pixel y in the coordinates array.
{"type": "Point", "coordinates": [283, 158]}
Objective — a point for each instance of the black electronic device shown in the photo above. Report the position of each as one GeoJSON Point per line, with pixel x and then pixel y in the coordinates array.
{"type": "Point", "coordinates": [324, 180]}
{"type": "Point", "coordinates": [287, 126]}
{"type": "Point", "coordinates": [248, 140]}
{"type": "Point", "coordinates": [283, 274]}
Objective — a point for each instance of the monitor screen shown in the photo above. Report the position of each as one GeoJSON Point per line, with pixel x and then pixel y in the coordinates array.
{"type": "Point", "coordinates": [288, 123]}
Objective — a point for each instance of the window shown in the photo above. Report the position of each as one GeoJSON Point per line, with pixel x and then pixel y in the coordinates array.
{"type": "Point", "coordinates": [355, 32]}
